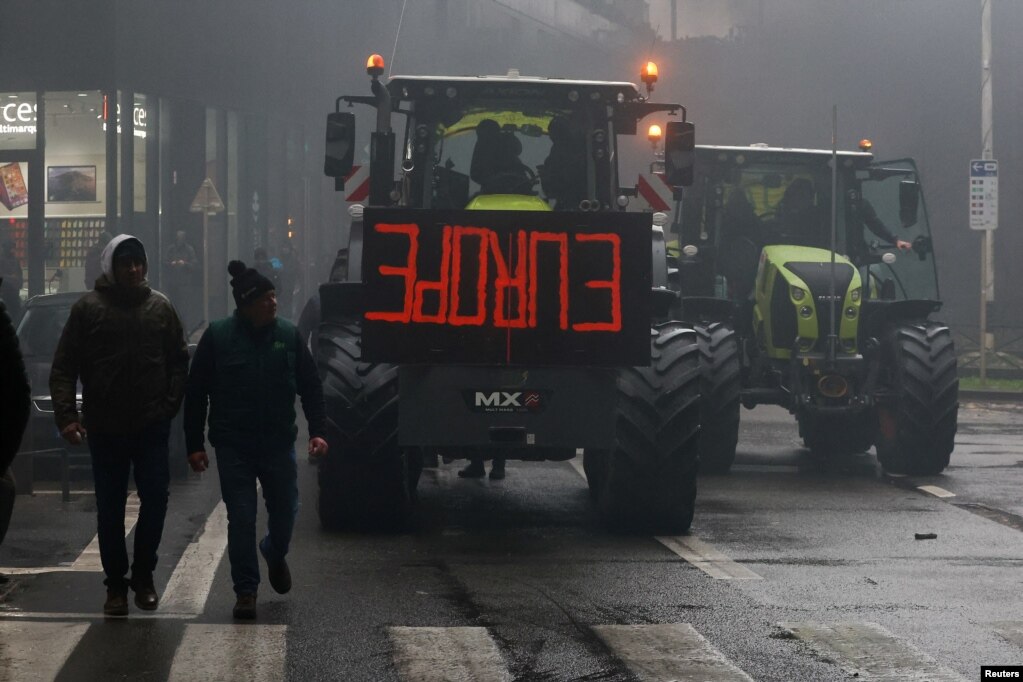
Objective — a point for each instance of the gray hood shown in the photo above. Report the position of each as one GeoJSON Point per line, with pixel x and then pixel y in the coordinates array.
{"type": "Point", "coordinates": [107, 257]}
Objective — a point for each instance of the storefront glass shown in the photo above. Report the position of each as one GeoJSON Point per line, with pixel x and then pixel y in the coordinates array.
{"type": "Point", "coordinates": [75, 184]}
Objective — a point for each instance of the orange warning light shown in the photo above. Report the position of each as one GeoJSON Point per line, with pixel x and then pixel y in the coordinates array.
{"type": "Point", "coordinates": [649, 73]}
{"type": "Point", "coordinates": [375, 65]}
{"type": "Point", "coordinates": [866, 145]}
{"type": "Point", "coordinates": [654, 133]}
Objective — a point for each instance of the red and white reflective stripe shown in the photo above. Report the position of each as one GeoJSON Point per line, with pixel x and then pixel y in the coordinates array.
{"type": "Point", "coordinates": [357, 184]}
{"type": "Point", "coordinates": [655, 191]}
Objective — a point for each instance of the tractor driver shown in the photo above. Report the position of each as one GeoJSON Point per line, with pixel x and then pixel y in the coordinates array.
{"type": "Point", "coordinates": [562, 175]}
{"type": "Point", "coordinates": [496, 166]}
{"type": "Point", "coordinates": [867, 217]}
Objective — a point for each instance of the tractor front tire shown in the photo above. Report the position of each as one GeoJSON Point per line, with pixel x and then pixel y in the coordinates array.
{"type": "Point", "coordinates": [720, 384]}
{"type": "Point", "coordinates": [647, 483]}
{"type": "Point", "coordinates": [366, 480]}
{"type": "Point", "coordinates": [917, 423]}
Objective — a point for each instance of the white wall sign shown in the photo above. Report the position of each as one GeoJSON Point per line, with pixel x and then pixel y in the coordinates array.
{"type": "Point", "coordinates": [983, 194]}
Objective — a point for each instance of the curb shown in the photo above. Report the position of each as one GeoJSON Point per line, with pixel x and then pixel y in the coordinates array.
{"type": "Point", "coordinates": [991, 396]}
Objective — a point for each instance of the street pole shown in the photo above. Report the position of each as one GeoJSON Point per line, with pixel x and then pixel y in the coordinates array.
{"type": "Point", "coordinates": [205, 268]}
{"type": "Point", "coordinates": [987, 274]}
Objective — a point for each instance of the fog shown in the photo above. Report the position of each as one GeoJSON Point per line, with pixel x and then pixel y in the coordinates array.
{"type": "Point", "coordinates": [904, 73]}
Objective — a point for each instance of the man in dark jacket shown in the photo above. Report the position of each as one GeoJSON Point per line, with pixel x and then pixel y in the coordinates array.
{"type": "Point", "coordinates": [15, 403]}
{"type": "Point", "coordinates": [125, 342]}
{"type": "Point", "coordinates": [248, 369]}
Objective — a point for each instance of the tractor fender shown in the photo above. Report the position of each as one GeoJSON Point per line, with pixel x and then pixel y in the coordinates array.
{"type": "Point", "coordinates": [341, 300]}
{"type": "Point", "coordinates": [876, 316]}
{"type": "Point", "coordinates": [707, 309]}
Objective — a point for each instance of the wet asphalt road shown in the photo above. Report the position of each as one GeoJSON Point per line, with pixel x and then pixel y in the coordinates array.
{"type": "Point", "coordinates": [518, 577]}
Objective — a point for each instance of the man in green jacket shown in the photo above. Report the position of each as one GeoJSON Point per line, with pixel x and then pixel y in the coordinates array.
{"type": "Point", "coordinates": [125, 342]}
{"type": "Point", "coordinates": [248, 369]}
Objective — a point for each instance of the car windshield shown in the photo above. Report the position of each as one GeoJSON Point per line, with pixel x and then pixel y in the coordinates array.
{"type": "Point", "coordinates": [40, 329]}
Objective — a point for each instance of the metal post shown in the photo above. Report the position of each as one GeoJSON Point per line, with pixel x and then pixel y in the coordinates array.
{"type": "Point", "coordinates": [833, 331]}
{"type": "Point", "coordinates": [987, 274]}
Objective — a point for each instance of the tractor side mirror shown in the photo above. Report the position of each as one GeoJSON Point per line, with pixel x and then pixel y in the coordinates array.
{"type": "Point", "coordinates": [339, 154]}
{"type": "Point", "coordinates": [679, 153]}
{"type": "Point", "coordinates": [909, 200]}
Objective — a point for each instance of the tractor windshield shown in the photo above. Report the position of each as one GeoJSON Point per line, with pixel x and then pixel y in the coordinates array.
{"type": "Point", "coordinates": [497, 149]}
{"type": "Point", "coordinates": [911, 274]}
{"type": "Point", "coordinates": [743, 200]}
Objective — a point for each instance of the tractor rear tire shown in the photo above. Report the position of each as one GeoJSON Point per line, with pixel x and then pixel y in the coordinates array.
{"type": "Point", "coordinates": [837, 436]}
{"type": "Point", "coordinates": [647, 483]}
{"type": "Point", "coordinates": [917, 426]}
{"type": "Point", "coordinates": [720, 385]}
{"type": "Point", "coordinates": [366, 480]}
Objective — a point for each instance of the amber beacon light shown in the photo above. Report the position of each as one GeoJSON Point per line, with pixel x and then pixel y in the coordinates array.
{"type": "Point", "coordinates": [648, 74]}
{"type": "Point", "coordinates": [654, 134]}
{"type": "Point", "coordinates": [375, 65]}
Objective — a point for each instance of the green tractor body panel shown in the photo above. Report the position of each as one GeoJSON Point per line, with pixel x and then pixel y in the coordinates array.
{"type": "Point", "coordinates": [507, 202]}
{"type": "Point", "coordinates": [792, 310]}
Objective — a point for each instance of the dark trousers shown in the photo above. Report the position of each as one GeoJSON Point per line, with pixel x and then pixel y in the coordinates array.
{"type": "Point", "coordinates": [277, 472]}
{"type": "Point", "coordinates": [112, 457]}
{"type": "Point", "coordinates": [7, 491]}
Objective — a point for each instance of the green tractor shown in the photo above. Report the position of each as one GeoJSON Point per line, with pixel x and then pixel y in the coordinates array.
{"type": "Point", "coordinates": [822, 307]}
{"type": "Point", "coordinates": [496, 298]}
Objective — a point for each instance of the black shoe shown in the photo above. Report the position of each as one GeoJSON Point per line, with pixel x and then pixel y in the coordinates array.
{"type": "Point", "coordinates": [474, 470]}
{"type": "Point", "coordinates": [497, 472]}
{"type": "Point", "coordinates": [245, 607]}
{"type": "Point", "coordinates": [278, 572]}
{"type": "Point", "coordinates": [116, 603]}
{"type": "Point", "coordinates": [146, 597]}
{"type": "Point", "coordinates": [4, 579]}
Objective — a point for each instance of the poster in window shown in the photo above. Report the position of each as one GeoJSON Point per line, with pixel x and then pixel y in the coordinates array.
{"type": "Point", "coordinates": [13, 190]}
{"type": "Point", "coordinates": [71, 183]}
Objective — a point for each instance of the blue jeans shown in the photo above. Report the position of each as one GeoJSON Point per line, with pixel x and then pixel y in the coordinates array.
{"type": "Point", "coordinates": [277, 472]}
{"type": "Point", "coordinates": [113, 455]}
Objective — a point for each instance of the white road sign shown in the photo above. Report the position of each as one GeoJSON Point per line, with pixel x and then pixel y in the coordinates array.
{"type": "Point", "coordinates": [983, 194]}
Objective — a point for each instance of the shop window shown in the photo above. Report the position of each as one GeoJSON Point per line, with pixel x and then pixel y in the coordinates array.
{"type": "Point", "coordinates": [17, 120]}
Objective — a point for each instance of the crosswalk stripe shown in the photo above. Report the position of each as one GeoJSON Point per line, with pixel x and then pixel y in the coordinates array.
{"type": "Point", "coordinates": [190, 583]}
{"type": "Point", "coordinates": [433, 654]}
{"type": "Point", "coordinates": [233, 652]}
{"type": "Point", "coordinates": [577, 464]}
{"type": "Point", "coordinates": [34, 651]}
{"type": "Point", "coordinates": [670, 651]}
{"type": "Point", "coordinates": [935, 490]}
{"type": "Point", "coordinates": [1011, 630]}
{"type": "Point", "coordinates": [705, 557]}
{"type": "Point", "coordinates": [871, 652]}
{"type": "Point", "coordinates": [89, 559]}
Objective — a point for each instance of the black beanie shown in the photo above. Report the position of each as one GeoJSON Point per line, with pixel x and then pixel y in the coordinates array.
{"type": "Point", "coordinates": [130, 248]}
{"type": "Point", "coordinates": [248, 284]}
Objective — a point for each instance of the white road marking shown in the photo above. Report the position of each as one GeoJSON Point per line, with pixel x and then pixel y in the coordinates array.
{"type": "Point", "coordinates": [577, 464]}
{"type": "Point", "coordinates": [706, 558]}
{"type": "Point", "coordinates": [31, 651]}
{"type": "Point", "coordinates": [234, 652]}
{"type": "Point", "coordinates": [441, 654]}
{"type": "Point", "coordinates": [1010, 630]}
{"type": "Point", "coordinates": [871, 652]}
{"type": "Point", "coordinates": [935, 490]}
{"type": "Point", "coordinates": [671, 651]}
{"type": "Point", "coordinates": [190, 583]}
{"type": "Point", "coordinates": [92, 616]}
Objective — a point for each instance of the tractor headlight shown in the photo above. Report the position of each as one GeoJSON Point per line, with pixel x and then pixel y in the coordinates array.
{"type": "Point", "coordinates": [797, 293]}
{"type": "Point", "coordinates": [805, 311]}
{"type": "Point", "coordinates": [854, 295]}
{"type": "Point", "coordinates": [851, 312]}
{"type": "Point", "coordinates": [849, 345]}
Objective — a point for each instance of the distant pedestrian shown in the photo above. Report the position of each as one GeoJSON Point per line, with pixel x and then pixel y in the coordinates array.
{"type": "Point", "coordinates": [181, 267]}
{"type": "Point", "coordinates": [248, 369]}
{"type": "Point", "coordinates": [15, 404]}
{"type": "Point", "coordinates": [125, 342]}
{"type": "Point", "coordinates": [13, 279]}
{"type": "Point", "coordinates": [287, 278]}
{"type": "Point", "coordinates": [475, 468]}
